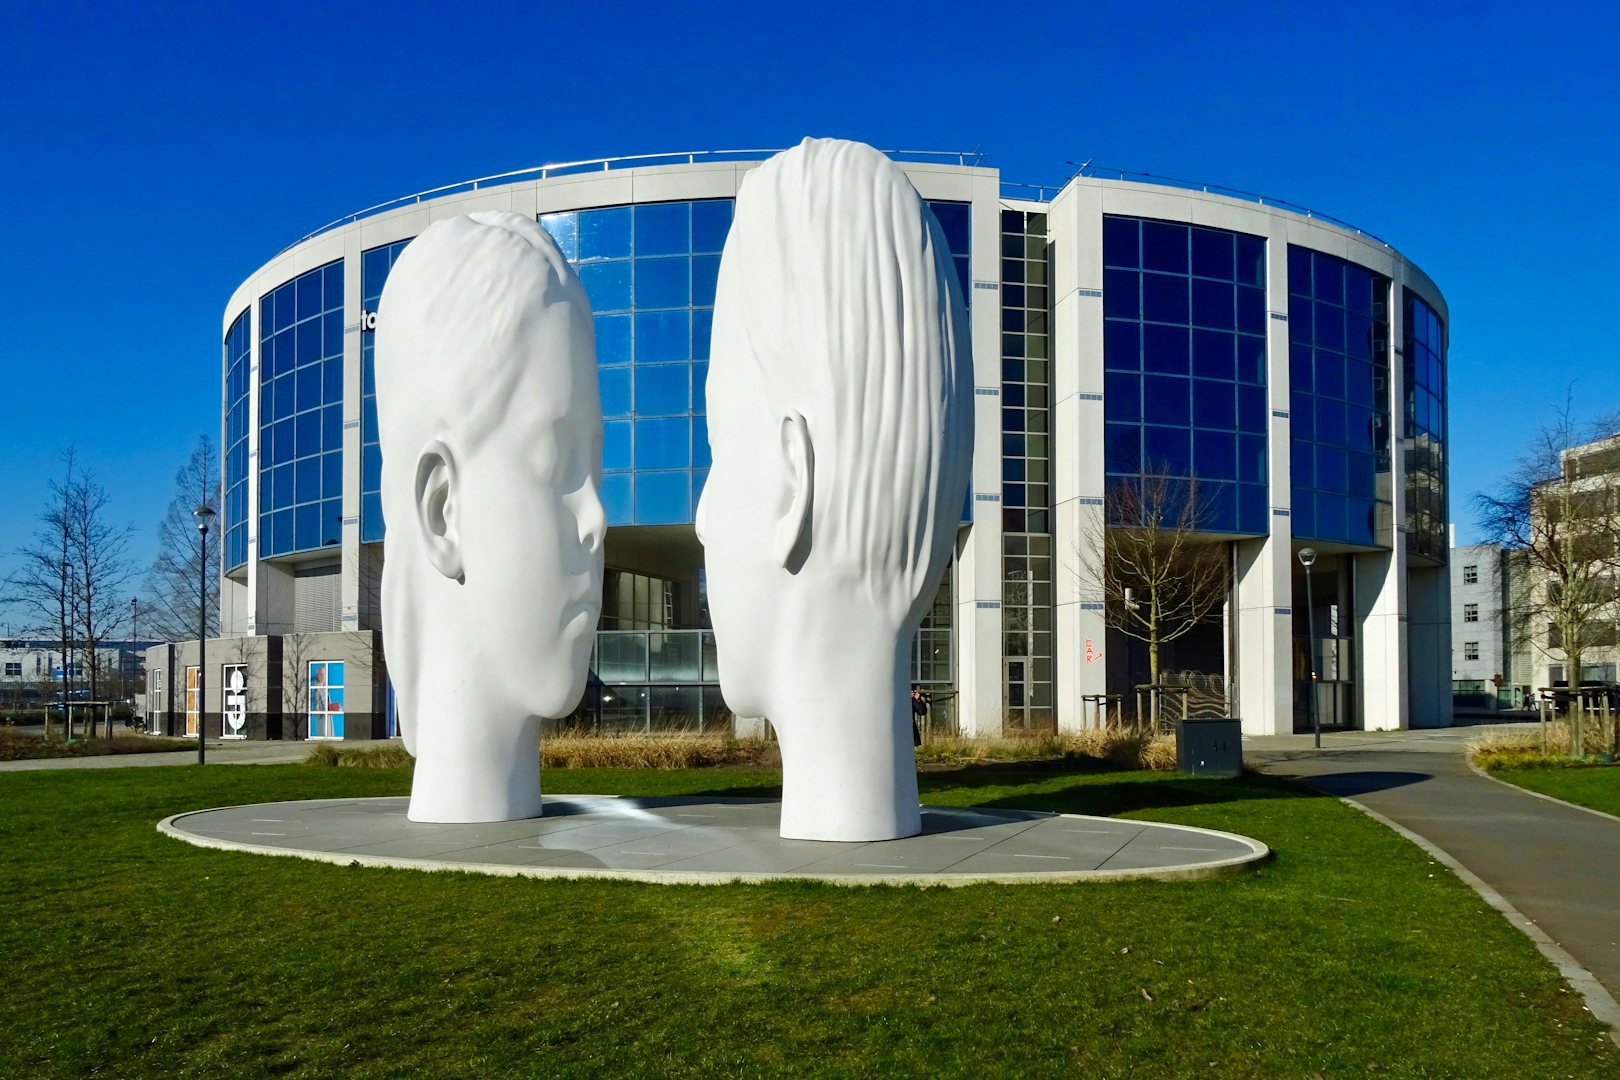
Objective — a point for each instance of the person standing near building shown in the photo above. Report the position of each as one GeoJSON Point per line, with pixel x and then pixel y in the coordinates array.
{"type": "Point", "coordinates": [919, 712]}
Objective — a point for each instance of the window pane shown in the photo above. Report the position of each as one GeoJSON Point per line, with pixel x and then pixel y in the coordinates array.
{"type": "Point", "coordinates": [711, 220]}
{"type": "Point", "coordinates": [612, 339]}
{"type": "Point", "coordinates": [616, 445]}
{"type": "Point", "coordinates": [1212, 254]}
{"type": "Point", "coordinates": [1165, 349]}
{"type": "Point", "coordinates": [663, 336]}
{"type": "Point", "coordinates": [615, 493]}
{"type": "Point", "coordinates": [663, 498]}
{"type": "Point", "coordinates": [661, 389]}
{"type": "Point", "coordinates": [1164, 298]}
{"type": "Point", "coordinates": [604, 234]}
{"type": "Point", "coordinates": [1164, 246]}
{"type": "Point", "coordinates": [1121, 294]}
{"type": "Point", "coordinates": [615, 389]}
{"type": "Point", "coordinates": [663, 228]}
{"type": "Point", "coordinates": [663, 444]}
{"type": "Point", "coordinates": [607, 284]}
{"type": "Point", "coordinates": [663, 283]}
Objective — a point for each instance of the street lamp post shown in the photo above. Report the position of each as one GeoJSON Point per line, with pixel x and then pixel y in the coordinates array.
{"type": "Point", "coordinates": [134, 655]}
{"type": "Point", "coordinates": [1307, 559]}
{"type": "Point", "coordinates": [204, 514]}
{"type": "Point", "coordinates": [70, 611]}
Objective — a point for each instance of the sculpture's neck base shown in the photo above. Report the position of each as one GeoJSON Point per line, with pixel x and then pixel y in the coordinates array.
{"type": "Point", "coordinates": [848, 771]}
{"type": "Point", "coordinates": [475, 769]}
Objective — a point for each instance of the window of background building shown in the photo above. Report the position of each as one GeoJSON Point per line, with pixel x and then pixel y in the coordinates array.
{"type": "Point", "coordinates": [191, 701]}
{"type": "Point", "coordinates": [1470, 575]}
{"type": "Point", "coordinates": [637, 602]}
{"type": "Point", "coordinates": [374, 267]}
{"type": "Point", "coordinates": [1425, 365]}
{"type": "Point", "coordinates": [238, 384]}
{"type": "Point", "coordinates": [326, 699]}
{"type": "Point", "coordinates": [1026, 457]}
{"type": "Point", "coordinates": [1338, 360]}
{"type": "Point", "coordinates": [1470, 650]}
{"type": "Point", "coordinates": [14, 668]}
{"type": "Point", "coordinates": [1470, 613]}
{"type": "Point", "coordinates": [301, 413]}
{"type": "Point", "coordinates": [1185, 351]}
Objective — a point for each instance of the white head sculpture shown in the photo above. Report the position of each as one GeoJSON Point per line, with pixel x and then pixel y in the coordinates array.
{"type": "Point", "coordinates": [491, 434]}
{"type": "Point", "coordinates": [840, 421]}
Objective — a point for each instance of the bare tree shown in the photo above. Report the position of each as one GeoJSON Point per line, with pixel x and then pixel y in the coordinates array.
{"type": "Point", "coordinates": [1159, 577]}
{"type": "Point", "coordinates": [170, 608]}
{"type": "Point", "coordinates": [43, 585]}
{"type": "Point", "coordinates": [296, 652]}
{"type": "Point", "coordinates": [98, 549]}
{"type": "Point", "coordinates": [1557, 514]}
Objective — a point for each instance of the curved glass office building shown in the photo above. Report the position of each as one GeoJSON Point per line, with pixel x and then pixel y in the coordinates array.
{"type": "Point", "coordinates": [1128, 336]}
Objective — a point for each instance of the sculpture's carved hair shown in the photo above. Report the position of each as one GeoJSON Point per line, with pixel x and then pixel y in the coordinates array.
{"type": "Point", "coordinates": [462, 305]}
{"type": "Point", "coordinates": [837, 283]}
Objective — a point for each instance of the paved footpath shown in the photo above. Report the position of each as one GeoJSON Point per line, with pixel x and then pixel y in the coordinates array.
{"type": "Point", "coordinates": [1558, 865]}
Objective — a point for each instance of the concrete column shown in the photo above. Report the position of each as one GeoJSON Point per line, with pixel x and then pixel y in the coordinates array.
{"type": "Point", "coordinates": [1074, 223]}
{"type": "Point", "coordinates": [250, 618]}
{"type": "Point", "coordinates": [1264, 658]}
{"type": "Point", "coordinates": [1429, 646]}
{"type": "Point", "coordinates": [1381, 639]}
{"type": "Point", "coordinates": [355, 564]}
{"type": "Point", "coordinates": [976, 589]}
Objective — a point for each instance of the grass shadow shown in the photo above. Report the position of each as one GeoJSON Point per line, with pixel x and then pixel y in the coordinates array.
{"type": "Point", "coordinates": [1092, 791]}
{"type": "Point", "coordinates": [1350, 784]}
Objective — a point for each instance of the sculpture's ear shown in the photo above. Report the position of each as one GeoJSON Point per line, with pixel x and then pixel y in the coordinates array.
{"type": "Point", "coordinates": [436, 508]}
{"type": "Point", "coordinates": [791, 543]}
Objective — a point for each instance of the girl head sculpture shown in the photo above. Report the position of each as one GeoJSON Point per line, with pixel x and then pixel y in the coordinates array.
{"type": "Point", "coordinates": [491, 434]}
{"type": "Point", "coordinates": [840, 424]}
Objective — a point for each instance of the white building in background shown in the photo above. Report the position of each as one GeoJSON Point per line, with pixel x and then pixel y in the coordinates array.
{"type": "Point", "coordinates": [1481, 659]}
{"type": "Point", "coordinates": [1121, 329]}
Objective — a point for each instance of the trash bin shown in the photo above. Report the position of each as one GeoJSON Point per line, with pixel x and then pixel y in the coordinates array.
{"type": "Point", "coordinates": [1210, 746]}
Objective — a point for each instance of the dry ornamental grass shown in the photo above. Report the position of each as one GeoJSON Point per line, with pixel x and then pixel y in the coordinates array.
{"type": "Point", "coordinates": [1118, 749]}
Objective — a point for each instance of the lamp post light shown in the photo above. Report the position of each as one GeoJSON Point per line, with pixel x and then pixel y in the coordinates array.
{"type": "Point", "coordinates": [1307, 559]}
{"type": "Point", "coordinates": [204, 514]}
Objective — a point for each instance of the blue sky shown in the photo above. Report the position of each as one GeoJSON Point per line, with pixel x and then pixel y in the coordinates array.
{"type": "Point", "coordinates": [154, 155]}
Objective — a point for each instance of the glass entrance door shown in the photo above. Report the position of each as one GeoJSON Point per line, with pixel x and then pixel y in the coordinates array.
{"type": "Point", "coordinates": [1015, 694]}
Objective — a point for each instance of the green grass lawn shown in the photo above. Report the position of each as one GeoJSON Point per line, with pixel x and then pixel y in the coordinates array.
{"type": "Point", "coordinates": [131, 954]}
{"type": "Point", "coordinates": [1596, 786]}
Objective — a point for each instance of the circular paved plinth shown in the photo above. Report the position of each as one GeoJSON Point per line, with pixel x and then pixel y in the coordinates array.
{"type": "Point", "coordinates": [710, 841]}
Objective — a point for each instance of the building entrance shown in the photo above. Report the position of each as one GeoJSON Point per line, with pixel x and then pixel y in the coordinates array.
{"type": "Point", "coordinates": [1324, 621]}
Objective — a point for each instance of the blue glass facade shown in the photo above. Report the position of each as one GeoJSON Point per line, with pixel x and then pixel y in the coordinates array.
{"type": "Point", "coordinates": [374, 267]}
{"type": "Point", "coordinates": [1338, 359]}
{"type": "Point", "coordinates": [650, 271]}
{"type": "Point", "coordinates": [1184, 349]}
{"type": "Point", "coordinates": [238, 344]}
{"type": "Point", "coordinates": [301, 413]}
{"type": "Point", "coordinates": [1425, 424]}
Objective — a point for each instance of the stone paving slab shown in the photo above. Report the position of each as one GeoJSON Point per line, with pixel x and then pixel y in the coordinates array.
{"type": "Point", "coordinates": [712, 841]}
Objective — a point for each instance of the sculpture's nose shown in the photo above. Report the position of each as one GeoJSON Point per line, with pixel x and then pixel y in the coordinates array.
{"type": "Point", "coordinates": [592, 521]}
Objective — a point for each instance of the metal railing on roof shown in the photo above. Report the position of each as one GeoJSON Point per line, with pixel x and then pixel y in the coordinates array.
{"type": "Point", "coordinates": [1102, 172]}
{"type": "Point", "coordinates": [607, 164]}
{"type": "Point", "coordinates": [966, 158]}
